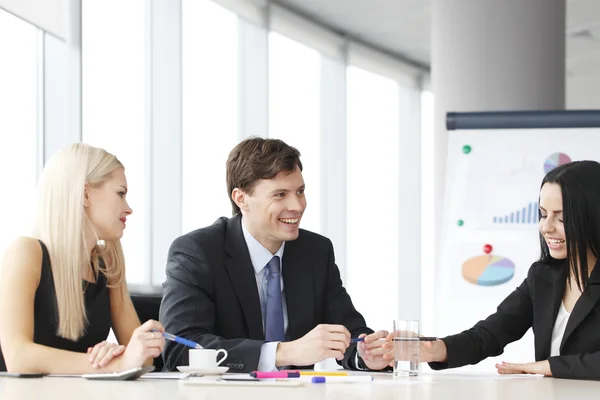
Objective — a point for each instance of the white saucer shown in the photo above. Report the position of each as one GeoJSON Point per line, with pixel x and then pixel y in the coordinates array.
{"type": "Point", "coordinates": [203, 371]}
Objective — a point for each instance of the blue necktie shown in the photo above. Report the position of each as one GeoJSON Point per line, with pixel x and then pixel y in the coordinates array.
{"type": "Point", "coordinates": [274, 331]}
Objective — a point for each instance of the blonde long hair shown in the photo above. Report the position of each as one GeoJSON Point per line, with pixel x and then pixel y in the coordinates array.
{"type": "Point", "coordinates": [61, 224]}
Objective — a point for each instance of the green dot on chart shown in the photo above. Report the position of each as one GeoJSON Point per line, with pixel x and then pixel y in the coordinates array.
{"type": "Point", "coordinates": [466, 149]}
{"type": "Point", "coordinates": [460, 222]}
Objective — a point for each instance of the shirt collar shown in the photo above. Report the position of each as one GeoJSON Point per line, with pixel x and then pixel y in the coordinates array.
{"type": "Point", "coordinates": [259, 254]}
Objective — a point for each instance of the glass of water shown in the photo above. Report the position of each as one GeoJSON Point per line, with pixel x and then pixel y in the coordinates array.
{"type": "Point", "coordinates": [406, 348]}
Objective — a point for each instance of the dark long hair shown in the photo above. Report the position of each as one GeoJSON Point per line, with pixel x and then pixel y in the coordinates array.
{"type": "Point", "coordinates": [579, 183]}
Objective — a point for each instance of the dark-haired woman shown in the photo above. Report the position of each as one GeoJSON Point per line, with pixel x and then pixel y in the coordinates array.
{"type": "Point", "coordinates": [560, 297]}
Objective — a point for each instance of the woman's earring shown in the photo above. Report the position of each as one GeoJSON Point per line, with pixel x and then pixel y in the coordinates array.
{"type": "Point", "coordinates": [101, 243]}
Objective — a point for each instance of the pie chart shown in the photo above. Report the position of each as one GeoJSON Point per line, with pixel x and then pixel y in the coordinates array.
{"type": "Point", "coordinates": [488, 270]}
{"type": "Point", "coordinates": [554, 160]}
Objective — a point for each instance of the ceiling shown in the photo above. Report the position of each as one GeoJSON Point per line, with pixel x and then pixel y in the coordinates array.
{"type": "Point", "coordinates": [402, 27]}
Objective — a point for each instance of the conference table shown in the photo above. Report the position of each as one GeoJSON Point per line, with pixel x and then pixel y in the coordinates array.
{"type": "Point", "coordinates": [429, 385]}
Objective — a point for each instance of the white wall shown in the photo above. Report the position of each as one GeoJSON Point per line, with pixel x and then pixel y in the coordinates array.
{"type": "Point", "coordinates": [583, 92]}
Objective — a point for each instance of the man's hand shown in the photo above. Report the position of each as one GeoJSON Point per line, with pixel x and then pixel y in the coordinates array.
{"type": "Point", "coordinates": [372, 349]}
{"type": "Point", "coordinates": [540, 367]}
{"type": "Point", "coordinates": [325, 341]}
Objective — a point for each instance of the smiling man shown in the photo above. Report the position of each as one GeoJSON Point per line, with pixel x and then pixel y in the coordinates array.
{"type": "Point", "coordinates": [256, 284]}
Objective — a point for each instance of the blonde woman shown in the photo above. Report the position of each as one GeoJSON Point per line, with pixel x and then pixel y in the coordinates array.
{"type": "Point", "coordinates": [64, 288]}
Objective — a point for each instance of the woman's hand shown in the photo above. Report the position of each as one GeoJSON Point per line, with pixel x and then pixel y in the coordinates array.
{"type": "Point", "coordinates": [540, 367]}
{"type": "Point", "coordinates": [429, 351]}
{"type": "Point", "coordinates": [102, 353]}
{"type": "Point", "coordinates": [144, 344]}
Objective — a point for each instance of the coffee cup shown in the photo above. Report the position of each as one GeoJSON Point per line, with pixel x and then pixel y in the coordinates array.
{"type": "Point", "coordinates": [206, 358]}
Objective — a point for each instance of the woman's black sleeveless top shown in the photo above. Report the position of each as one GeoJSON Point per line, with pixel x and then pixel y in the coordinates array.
{"type": "Point", "coordinates": [45, 312]}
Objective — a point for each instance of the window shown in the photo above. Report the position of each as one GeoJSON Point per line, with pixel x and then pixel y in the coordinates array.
{"type": "Point", "coordinates": [18, 126]}
{"type": "Point", "coordinates": [373, 187]}
{"type": "Point", "coordinates": [113, 107]}
{"type": "Point", "coordinates": [294, 112]}
{"type": "Point", "coordinates": [427, 213]}
{"type": "Point", "coordinates": [210, 96]}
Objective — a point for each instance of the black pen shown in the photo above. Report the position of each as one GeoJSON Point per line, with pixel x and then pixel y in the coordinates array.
{"type": "Point", "coordinates": [421, 339]}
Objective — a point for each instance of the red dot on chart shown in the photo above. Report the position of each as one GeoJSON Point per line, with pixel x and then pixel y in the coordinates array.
{"type": "Point", "coordinates": [487, 249]}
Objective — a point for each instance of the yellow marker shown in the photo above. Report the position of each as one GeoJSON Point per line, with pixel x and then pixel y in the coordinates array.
{"type": "Point", "coordinates": [315, 373]}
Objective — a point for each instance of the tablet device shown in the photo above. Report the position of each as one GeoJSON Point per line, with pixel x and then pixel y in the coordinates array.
{"type": "Point", "coordinates": [19, 375]}
{"type": "Point", "coordinates": [127, 375]}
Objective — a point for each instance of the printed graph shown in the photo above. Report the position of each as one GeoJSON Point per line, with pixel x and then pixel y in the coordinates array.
{"type": "Point", "coordinates": [525, 215]}
{"type": "Point", "coordinates": [555, 160]}
{"type": "Point", "coordinates": [488, 270]}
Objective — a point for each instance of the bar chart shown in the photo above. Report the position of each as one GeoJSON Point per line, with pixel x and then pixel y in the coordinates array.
{"type": "Point", "coordinates": [526, 215]}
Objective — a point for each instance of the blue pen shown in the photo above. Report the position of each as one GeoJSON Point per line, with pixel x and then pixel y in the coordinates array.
{"type": "Point", "coordinates": [358, 339]}
{"type": "Point", "coordinates": [174, 338]}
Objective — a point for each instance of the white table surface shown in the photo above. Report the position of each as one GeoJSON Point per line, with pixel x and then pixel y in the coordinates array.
{"type": "Point", "coordinates": [429, 385]}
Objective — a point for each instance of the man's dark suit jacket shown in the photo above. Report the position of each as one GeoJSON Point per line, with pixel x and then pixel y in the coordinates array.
{"type": "Point", "coordinates": [211, 297]}
{"type": "Point", "coordinates": [535, 304]}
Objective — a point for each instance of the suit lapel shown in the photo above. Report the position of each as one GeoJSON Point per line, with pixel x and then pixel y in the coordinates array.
{"type": "Point", "coordinates": [584, 305]}
{"type": "Point", "coordinates": [240, 270]}
{"type": "Point", "coordinates": [554, 281]}
{"type": "Point", "coordinates": [297, 270]}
